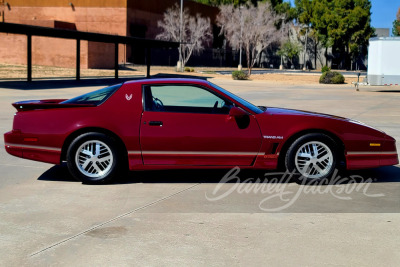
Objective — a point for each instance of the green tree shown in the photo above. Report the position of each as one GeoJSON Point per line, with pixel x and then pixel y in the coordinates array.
{"type": "Point", "coordinates": [282, 7]}
{"type": "Point", "coordinates": [352, 35]}
{"type": "Point", "coordinates": [344, 25]}
{"type": "Point", "coordinates": [396, 28]}
{"type": "Point", "coordinates": [396, 25]}
{"type": "Point", "coordinates": [321, 19]}
{"type": "Point", "coordinates": [304, 13]}
{"type": "Point", "coordinates": [289, 50]}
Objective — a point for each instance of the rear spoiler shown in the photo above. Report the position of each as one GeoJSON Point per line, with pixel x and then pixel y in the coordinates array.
{"type": "Point", "coordinates": [46, 104]}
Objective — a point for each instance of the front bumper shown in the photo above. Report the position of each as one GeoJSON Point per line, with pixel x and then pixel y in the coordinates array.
{"type": "Point", "coordinates": [365, 160]}
{"type": "Point", "coordinates": [386, 156]}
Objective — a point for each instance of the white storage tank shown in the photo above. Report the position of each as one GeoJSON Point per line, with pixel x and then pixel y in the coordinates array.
{"type": "Point", "coordinates": [384, 61]}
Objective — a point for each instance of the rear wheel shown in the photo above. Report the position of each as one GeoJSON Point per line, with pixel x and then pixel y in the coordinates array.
{"type": "Point", "coordinates": [93, 158]}
{"type": "Point", "coordinates": [313, 156]}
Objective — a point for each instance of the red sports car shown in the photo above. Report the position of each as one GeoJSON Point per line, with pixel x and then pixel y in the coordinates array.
{"type": "Point", "coordinates": [183, 123]}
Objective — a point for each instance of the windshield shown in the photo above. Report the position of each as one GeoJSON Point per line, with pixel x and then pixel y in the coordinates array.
{"type": "Point", "coordinates": [243, 102]}
{"type": "Point", "coordinates": [96, 98]}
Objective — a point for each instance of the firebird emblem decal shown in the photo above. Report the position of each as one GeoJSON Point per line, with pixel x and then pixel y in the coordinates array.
{"type": "Point", "coordinates": [128, 97]}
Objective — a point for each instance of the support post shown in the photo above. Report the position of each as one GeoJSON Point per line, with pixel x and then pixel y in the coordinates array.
{"type": "Point", "coordinates": [148, 61]}
{"type": "Point", "coordinates": [78, 59]}
{"type": "Point", "coordinates": [180, 39]}
{"type": "Point", "coordinates": [29, 57]}
{"type": "Point", "coordinates": [305, 51]}
{"type": "Point", "coordinates": [116, 60]}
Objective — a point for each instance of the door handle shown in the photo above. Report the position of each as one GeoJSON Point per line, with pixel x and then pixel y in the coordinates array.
{"type": "Point", "coordinates": [155, 123]}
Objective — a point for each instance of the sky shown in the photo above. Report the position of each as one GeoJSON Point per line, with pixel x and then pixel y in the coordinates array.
{"type": "Point", "coordinates": [383, 13]}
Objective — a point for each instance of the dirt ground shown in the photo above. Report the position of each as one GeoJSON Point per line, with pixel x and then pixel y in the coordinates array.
{"type": "Point", "coordinates": [8, 71]}
{"type": "Point", "coordinates": [295, 79]}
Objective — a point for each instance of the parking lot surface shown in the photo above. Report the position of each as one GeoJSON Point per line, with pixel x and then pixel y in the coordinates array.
{"type": "Point", "coordinates": [187, 217]}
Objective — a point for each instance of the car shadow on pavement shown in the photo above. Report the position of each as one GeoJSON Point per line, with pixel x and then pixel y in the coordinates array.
{"type": "Point", "coordinates": [57, 173]}
{"type": "Point", "coordinates": [388, 91]}
{"type": "Point", "coordinates": [60, 173]}
{"type": "Point", "coordinates": [387, 174]}
{"type": "Point", "coordinates": [199, 176]}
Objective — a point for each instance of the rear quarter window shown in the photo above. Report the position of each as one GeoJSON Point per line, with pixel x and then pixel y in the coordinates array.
{"type": "Point", "coordinates": [95, 98]}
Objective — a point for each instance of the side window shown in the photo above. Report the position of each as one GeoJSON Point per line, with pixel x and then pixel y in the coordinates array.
{"type": "Point", "coordinates": [184, 98]}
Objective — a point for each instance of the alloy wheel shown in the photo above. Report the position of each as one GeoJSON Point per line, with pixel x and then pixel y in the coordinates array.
{"type": "Point", "coordinates": [94, 159]}
{"type": "Point", "coordinates": [314, 160]}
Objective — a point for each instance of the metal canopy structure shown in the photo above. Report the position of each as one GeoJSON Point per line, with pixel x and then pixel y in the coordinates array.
{"type": "Point", "coordinates": [30, 31]}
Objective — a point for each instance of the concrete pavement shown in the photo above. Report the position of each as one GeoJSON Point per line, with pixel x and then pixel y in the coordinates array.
{"type": "Point", "coordinates": [169, 218]}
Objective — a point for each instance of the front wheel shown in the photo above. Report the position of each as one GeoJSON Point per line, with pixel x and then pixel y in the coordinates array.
{"type": "Point", "coordinates": [93, 158]}
{"type": "Point", "coordinates": [313, 156]}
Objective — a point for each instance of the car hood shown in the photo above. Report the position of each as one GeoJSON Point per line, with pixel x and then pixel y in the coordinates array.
{"type": "Point", "coordinates": [284, 111]}
{"type": "Point", "coordinates": [323, 119]}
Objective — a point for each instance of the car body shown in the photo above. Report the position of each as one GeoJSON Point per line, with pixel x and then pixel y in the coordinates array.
{"type": "Point", "coordinates": [187, 123]}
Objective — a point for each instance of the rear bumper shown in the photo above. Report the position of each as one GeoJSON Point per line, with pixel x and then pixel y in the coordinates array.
{"type": "Point", "coordinates": [365, 160]}
{"type": "Point", "coordinates": [13, 138]}
{"type": "Point", "coordinates": [15, 145]}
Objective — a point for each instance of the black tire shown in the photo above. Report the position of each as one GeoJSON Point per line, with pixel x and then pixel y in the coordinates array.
{"type": "Point", "coordinates": [87, 166]}
{"type": "Point", "coordinates": [294, 161]}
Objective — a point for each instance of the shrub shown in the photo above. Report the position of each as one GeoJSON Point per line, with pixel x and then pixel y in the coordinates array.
{"type": "Point", "coordinates": [188, 69]}
{"type": "Point", "coordinates": [325, 69]}
{"type": "Point", "coordinates": [239, 75]}
{"type": "Point", "coordinates": [332, 77]}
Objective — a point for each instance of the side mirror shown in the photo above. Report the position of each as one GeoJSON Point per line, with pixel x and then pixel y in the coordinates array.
{"type": "Point", "coordinates": [237, 112]}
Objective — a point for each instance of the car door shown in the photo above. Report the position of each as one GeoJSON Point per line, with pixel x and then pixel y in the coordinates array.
{"type": "Point", "coordinates": [189, 125]}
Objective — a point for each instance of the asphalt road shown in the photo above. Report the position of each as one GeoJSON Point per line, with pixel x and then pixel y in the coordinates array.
{"type": "Point", "coordinates": [173, 218]}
